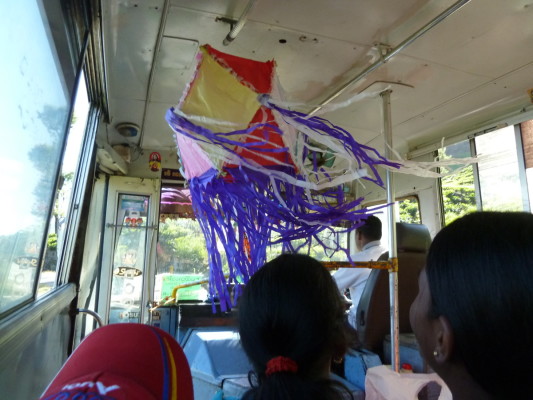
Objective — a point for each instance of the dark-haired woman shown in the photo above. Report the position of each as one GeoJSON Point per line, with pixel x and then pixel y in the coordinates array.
{"type": "Point", "coordinates": [473, 316]}
{"type": "Point", "coordinates": [292, 325]}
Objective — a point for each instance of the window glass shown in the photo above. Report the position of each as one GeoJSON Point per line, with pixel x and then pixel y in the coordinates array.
{"type": "Point", "coordinates": [498, 171]}
{"type": "Point", "coordinates": [58, 220]}
{"type": "Point", "coordinates": [182, 253]}
{"type": "Point", "coordinates": [129, 258]}
{"type": "Point", "coordinates": [409, 210]}
{"type": "Point", "coordinates": [181, 258]}
{"type": "Point", "coordinates": [34, 101]}
{"type": "Point", "coordinates": [181, 249]}
{"type": "Point", "coordinates": [458, 189]}
{"type": "Point", "coordinates": [331, 238]}
{"type": "Point", "coordinates": [406, 209]}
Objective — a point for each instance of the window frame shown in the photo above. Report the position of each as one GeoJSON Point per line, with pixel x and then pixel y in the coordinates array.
{"type": "Point", "coordinates": [71, 57]}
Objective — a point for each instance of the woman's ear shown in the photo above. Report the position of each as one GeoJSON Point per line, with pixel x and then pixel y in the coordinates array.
{"type": "Point", "coordinates": [444, 340]}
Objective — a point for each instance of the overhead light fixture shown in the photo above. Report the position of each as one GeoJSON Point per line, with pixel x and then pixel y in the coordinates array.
{"type": "Point", "coordinates": [127, 129]}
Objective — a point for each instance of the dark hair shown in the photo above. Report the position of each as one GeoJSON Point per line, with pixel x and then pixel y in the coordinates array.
{"type": "Point", "coordinates": [371, 229]}
{"type": "Point", "coordinates": [480, 275]}
{"type": "Point", "coordinates": [292, 308]}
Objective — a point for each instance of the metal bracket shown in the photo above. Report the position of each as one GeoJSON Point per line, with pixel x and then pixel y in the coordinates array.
{"type": "Point", "coordinates": [383, 49]}
{"type": "Point", "coordinates": [227, 20]}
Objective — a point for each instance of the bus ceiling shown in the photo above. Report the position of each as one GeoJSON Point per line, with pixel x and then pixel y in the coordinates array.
{"type": "Point", "coordinates": [452, 66]}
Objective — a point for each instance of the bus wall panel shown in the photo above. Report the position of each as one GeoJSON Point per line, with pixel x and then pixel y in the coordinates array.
{"type": "Point", "coordinates": [33, 346]}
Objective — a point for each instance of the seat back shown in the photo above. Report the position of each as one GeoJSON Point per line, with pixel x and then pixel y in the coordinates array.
{"type": "Point", "coordinates": [373, 311]}
{"type": "Point", "coordinates": [124, 361]}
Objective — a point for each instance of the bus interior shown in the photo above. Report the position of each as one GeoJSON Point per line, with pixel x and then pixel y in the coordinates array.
{"type": "Point", "coordinates": [98, 226]}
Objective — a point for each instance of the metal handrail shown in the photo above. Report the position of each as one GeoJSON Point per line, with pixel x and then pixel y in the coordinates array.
{"type": "Point", "coordinates": [385, 57]}
{"type": "Point", "coordinates": [93, 314]}
{"type": "Point", "coordinates": [388, 265]}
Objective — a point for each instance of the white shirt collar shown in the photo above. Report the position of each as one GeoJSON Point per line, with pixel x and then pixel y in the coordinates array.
{"type": "Point", "coordinates": [371, 244]}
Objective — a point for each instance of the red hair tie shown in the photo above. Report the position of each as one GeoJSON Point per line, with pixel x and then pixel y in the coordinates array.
{"type": "Point", "coordinates": [280, 364]}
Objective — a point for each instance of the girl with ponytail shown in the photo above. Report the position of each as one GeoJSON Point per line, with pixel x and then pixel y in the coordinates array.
{"type": "Point", "coordinates": [293, 324]}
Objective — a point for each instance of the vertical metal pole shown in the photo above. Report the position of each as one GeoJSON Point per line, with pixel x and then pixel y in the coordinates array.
{"type": "Point", "coordinates": [522, 167]}
{"type": "Point", "coordinates": [475, 167]}
{"type": "Point", "coordinates": [393, 272]}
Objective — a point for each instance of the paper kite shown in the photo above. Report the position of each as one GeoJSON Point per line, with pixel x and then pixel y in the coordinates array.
{"type": "Point", "coordinates": [259, 173]}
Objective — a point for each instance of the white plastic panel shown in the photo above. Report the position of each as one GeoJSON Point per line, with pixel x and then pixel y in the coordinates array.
{"type": "Point", "coordinates": [130, 32]}
{"type": "Point", "coordinates": [158, 133]}
{"type": "Point", "coordinates": [174, 69]}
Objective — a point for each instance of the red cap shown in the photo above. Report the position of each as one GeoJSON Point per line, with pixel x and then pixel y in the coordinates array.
{"type": "Point", "coordinates": [124, 361]}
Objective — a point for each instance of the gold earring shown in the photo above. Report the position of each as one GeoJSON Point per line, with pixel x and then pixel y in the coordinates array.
{"type": "Point", "coordinates": [337, 360]}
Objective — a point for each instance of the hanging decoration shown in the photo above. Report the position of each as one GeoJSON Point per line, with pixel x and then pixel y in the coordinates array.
{"type": "Point", "coordinates": [258, 173]}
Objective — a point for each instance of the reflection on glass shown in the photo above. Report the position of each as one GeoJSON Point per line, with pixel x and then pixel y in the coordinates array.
{"type": "Point", "coordinates": [58, 219]}
{"type": "Point", "coordinates": [181, 249]}
{"type": "Point", "coordinates": [35, 102]}
{"type": "Point", "coordinates": [129, 258]}
{"type": "Point", "coordinates": [326, 247]}
{"type": "Point", "coordinates": [409, 210]}
{"type": "Point", "coordinates": [405, 210]}
{"type": "Point", "coordinates": [458, 190]}
{"type": "Point", "coordinates": [181, 258]}
{"type": "Point", "coordinates": [498, 171]}
{"type": "Point", "coordinates": [20, 273]}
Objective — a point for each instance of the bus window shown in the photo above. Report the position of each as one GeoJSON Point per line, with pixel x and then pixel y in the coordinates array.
{"type": "Point", "coordinates": [409, 210]}
{"type": "Point", "coordinates": [59, 219]}
{"type": "Point", "coordinates": [182, 253]}
{"type": "Point", "coordinates": [181, 248]}
{"type": "Point", "coordinates": [458, 191]}
{"type": "Point", "coordinates": [499, 179]}
{"type": "Point", "coordinates": [330, 237]}
{"type": "Point", "coordinates": [500, 176]}
{"type": "Point", "coordinates": [35, 104]}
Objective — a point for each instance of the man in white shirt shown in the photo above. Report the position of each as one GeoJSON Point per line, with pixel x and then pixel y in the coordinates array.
{"type": "Point", "coordinates": [367, 241]}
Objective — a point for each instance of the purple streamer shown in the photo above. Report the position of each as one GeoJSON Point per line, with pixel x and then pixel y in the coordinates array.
{"type": "Point", "coordinates": [244, 205]}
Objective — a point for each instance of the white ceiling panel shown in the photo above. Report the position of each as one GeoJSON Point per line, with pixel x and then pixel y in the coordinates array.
{"type": "Point", "coordinates": [303, 63]}
{"type": "Point", "coordinates": [190, 24]}
{"type": "Point", "coordinates": [481, 40]}
{"type": "Point", "coordinates": [502, 97]}
{"type": "Point", "coordinates": [357, 21]}
{"type": "Point", "coordinates": [407, 102]}
{"type": "Point", "coordinates": [174, 68]}
{"type": "Point", "coordinates": [130, 29]}
{"type": "Point", "coordinates": [157, 133]}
